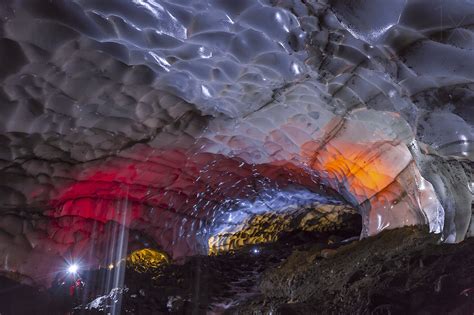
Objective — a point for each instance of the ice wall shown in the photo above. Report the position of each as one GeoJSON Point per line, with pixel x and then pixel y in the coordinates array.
{"type": "Point", "coordinates": [165, 116]}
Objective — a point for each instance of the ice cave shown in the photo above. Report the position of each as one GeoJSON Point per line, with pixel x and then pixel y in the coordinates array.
{"type": "Point", "coordinates": [236, 157]}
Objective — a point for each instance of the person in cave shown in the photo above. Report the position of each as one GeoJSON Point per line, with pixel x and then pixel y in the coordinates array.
{"type": "Point", "coordinates": [76, 290]}
{"type": "Point", "coordinates": [68, 286]}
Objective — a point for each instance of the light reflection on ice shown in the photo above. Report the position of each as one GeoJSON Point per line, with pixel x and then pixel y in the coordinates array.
{"type": "Point", "coordinates": [275, 200]}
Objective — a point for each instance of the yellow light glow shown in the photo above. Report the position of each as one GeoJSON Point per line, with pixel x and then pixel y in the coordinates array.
{"type": "Point", "coordinates": [269, 227]}
{"type": "Point", "coordinates": [145, 259]}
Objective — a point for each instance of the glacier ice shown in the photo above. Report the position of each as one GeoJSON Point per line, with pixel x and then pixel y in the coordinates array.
{"type": "Point", "coordinates": [169, 117]}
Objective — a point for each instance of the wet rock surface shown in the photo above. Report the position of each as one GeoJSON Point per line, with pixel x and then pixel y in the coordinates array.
{"type": "Point", "coordinates": [211, 284]}
{"type": "Point", "coordinates": [402, 271]}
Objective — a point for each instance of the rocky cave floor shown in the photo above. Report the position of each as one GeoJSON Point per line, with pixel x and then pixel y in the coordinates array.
{"type": "Point", "coordinates": [402, 271]}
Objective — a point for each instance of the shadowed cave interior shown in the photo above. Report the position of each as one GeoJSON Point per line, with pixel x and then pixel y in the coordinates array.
{"type": "Point", "coordinates": [236, 157]}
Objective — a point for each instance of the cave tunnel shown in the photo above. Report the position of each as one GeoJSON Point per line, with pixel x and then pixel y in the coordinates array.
{"type": "Point", "coordinates": [236, 157]}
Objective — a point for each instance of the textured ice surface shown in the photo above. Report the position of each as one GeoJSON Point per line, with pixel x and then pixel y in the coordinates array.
{"type": "Point", "coordinates": [167, 118]}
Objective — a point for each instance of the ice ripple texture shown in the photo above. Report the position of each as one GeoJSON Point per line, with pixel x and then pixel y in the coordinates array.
{"type": "Point", "coordinates": [167, 116]}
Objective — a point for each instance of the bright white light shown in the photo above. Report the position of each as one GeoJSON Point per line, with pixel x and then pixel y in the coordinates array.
{"type": "Point", "coordinates": [161, 61]}
{"type": "Point", "coordinates": [256, 251]}
{"type": "Point", "coordinates": [73, 268]}
{"type": "Point", "coordinates": [205, 53]}
{"type": "Point", "coordinates": [295, 69]}
{"type": "Point", "coordinates": [205, 91]}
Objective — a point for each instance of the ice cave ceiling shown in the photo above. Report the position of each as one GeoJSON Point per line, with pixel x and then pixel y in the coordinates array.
{"type": "Point", "coordinates": [176, 121]}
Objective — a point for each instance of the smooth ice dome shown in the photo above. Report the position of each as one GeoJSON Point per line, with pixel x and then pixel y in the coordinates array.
{"type": "Point", "coordinates": [171, 122]}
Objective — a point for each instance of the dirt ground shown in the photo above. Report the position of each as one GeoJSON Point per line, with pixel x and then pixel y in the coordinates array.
{"type": "Point", "coordinates": [402, 271]}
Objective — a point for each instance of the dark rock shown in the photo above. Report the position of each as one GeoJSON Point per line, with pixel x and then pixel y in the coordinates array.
{"type": "Point", "coordinates": [378, 275]}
